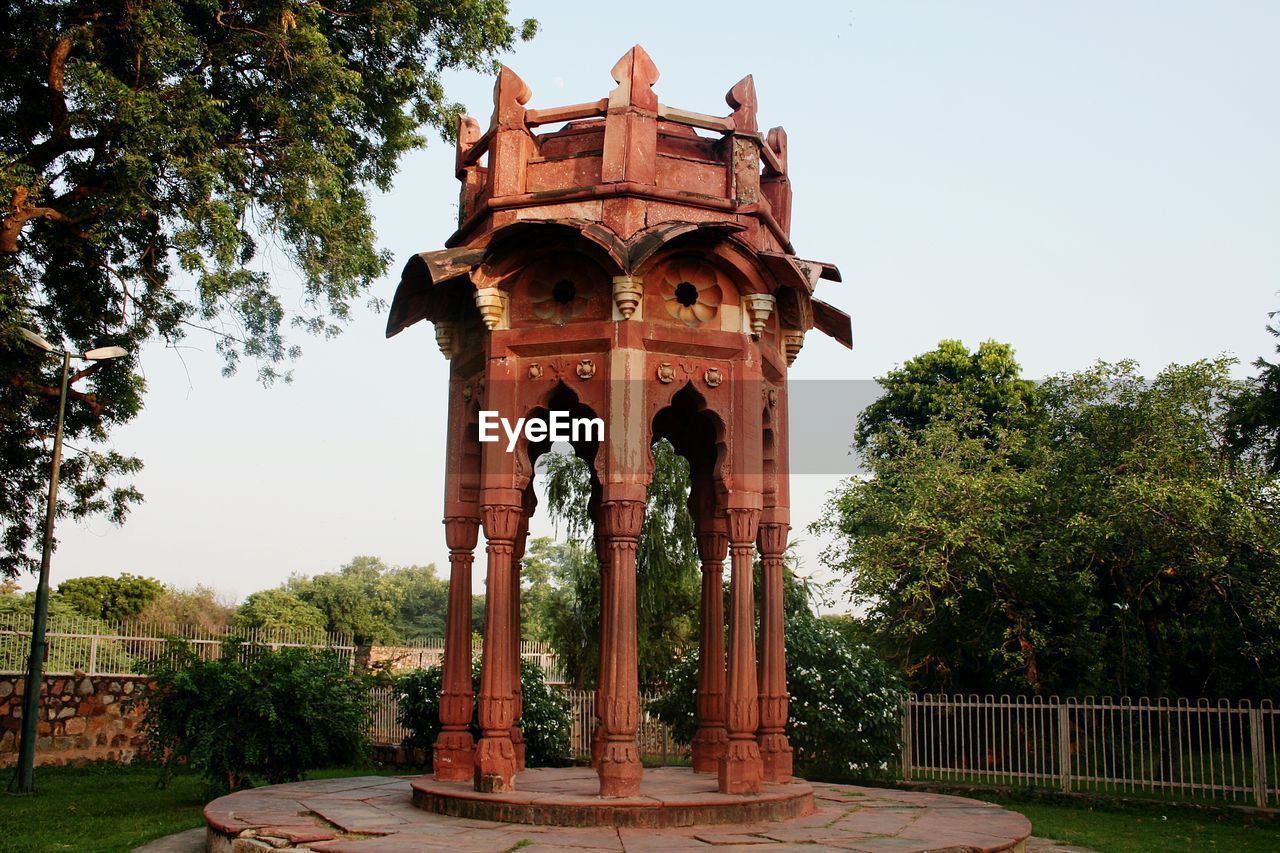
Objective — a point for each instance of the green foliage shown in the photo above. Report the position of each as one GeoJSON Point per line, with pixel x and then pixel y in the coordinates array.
{"type": "Point", "coordinates": [985, 389]}
{"type": "Point", "coordinates": [668, 584]}
{"type": "Point", "coordinates": [1254, 420]}
{"type": "Point", "coordinates": [544, 719]}
{"type": "Point", "coordinates": [366, 600]}
{"type": "Point", "coordinates": [200, 606]}
{"type": "Point", "coordinates": [112, 599]}
{"type": "Point", "coordinates": [1107, 542]}
{"type": "Point", "coordinates": [17, 611]}
{"type": "Point", "coordinates": [845, 711]}
{"type": "Point", "coordinates": [148, 150]}
{"type": "Point", "coordinates": [254, 712]}
{"type": "Point", "coordinates": [277, 610]}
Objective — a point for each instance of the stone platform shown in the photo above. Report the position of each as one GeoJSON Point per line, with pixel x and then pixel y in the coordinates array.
{"type": "Point", "coordinates": [669, 796]}
{"type": "Point", "coordinates": [375, 814]}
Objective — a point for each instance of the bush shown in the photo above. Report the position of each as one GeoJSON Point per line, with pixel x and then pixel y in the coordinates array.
{"type": "Point", "coordinates": [845, 713]}
{"type": "Point", "coordinates": [545, 720]}
{"type": "Point", "coordinates": [255, 712]}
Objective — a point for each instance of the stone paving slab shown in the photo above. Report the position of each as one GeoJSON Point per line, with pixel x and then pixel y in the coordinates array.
{"type": "Point", "coordinates": [374, 815]}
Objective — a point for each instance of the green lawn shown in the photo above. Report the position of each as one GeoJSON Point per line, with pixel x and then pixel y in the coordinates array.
{"type": "Point", "coordinates": [1136, 829]}
{"type": "Point", "coordinates": [98, 808]}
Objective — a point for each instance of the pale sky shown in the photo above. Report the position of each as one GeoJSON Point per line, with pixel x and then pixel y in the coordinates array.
{"type": "Point", "coordinates": [1082, 180]}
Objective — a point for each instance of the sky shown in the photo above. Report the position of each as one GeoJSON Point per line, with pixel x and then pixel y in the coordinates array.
{"type": "Point", "coordinates": [1083, 181]}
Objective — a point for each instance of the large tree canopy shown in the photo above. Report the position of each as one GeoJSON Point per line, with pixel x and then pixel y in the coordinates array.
{"type": "Point", "coordinates": [1110, 542]}
{"type": "Point", "coordinates": [147, 151]}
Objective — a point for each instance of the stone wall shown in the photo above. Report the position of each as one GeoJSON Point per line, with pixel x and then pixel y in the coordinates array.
{"type": "Point", "coordinates": [81, 719]}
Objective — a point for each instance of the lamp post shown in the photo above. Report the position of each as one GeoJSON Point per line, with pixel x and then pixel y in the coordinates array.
{"type": "Point", "coordinates": [25, 781]}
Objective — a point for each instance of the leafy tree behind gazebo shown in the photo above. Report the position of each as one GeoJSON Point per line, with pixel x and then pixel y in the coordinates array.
{"type": "Point", "coordinates": [147, 153]}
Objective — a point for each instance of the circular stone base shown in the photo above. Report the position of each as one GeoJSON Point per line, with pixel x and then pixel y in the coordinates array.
{"type": "Point", "coordinates": [568, 796]}
{"type": "Point", "coordinates": [373, 814]}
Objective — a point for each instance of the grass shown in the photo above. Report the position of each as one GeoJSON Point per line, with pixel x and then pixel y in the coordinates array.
{"type": "Point", "coordinates": [1139, 828]}
{"type": "Point", "coordinates": [105, 808]}
{"type": "Point", "coordinates": [98, 808]}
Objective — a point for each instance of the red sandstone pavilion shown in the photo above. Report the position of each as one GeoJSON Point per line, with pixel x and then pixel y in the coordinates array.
{"type": "Point", "coordinates": [636, 265]}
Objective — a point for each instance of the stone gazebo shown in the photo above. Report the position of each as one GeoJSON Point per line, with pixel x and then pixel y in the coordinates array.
{"type": "Point", "coordinates": [631, 261]}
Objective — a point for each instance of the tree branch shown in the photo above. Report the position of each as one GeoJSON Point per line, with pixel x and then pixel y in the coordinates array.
{"type": "Point", "coordinates": [19, 212]}
{"type": "Point", "coordinates": [90, 400]}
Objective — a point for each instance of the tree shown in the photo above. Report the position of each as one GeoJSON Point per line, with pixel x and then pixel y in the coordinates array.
{"type": "Point", "coordinates": [668, 583]}
{"type": "Point", "coordinates": [276, 610]}
{"type": "Point", "coordinates": [350, 600]}
{"type": "Point", "coordinates": [1112, 542]}
{"type": "Point", "coordinates": [985, 386]}
{"type": "Point", "coordinates": [108, 598]}
{"type": "Point", "coordinates": [1177, 535]}
{"type": "Point", "coordinates": [200, 607]}
{"type": "Point", "coordinates": [420, 598]}
{"type": "Point", "coordinates": [148, 150]}
{"type": "Point", "coordinates": [1254, 424]}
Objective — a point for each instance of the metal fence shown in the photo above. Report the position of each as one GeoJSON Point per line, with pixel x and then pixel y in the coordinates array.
{"type": "Point", "coordinates": [119, 649]}
{"type": "Point", "coordinates": [1221, 751]}
{"type": "Point", "coordinates": [655, 739]}
{"type": "Point", "coordinates": [384, 727]}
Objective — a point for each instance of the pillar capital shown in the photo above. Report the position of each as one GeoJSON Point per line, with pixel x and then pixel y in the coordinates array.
{"type": "Point", "coordinates": [501, 520]}
{"type": "Point", "coordinates": [743, 524]}
{"type": "Point", "coordinates": [713, 546]}
{"type": "Point", "coordinates": [461, 532]}
{"type": "Point", "coordinates": [622, 519]}
{"type": "Point", "coordinates": [772, 537]}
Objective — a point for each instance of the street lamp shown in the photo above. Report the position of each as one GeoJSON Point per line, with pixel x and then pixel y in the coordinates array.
{"type": "Point", "coordinates": [25, 781]}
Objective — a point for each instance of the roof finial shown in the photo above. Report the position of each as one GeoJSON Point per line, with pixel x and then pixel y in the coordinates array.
{"type": "Point", "coordinates": [635, 75]}
{"type": "Point", "coordinates": [510, 94]}
{"type": "Point", "coordinates": [742, 100]}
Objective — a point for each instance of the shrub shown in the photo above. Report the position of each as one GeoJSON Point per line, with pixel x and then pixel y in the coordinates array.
{"type": "Point", "coordinates": [255, 712]}
{"type": "Point", "coordinates": [845, 713]}
{"type": "Point", "coordinates": [545, 719]}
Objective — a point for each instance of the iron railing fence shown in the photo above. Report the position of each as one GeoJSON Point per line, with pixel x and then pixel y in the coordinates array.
{"type": "Point", "coordinates": [654, 738]}
{"type": "Point", "coordinates": [421, 654]}
{"type": "Point", "coordinates": [1217, 751]}
{"type": "Point", "coordinates": [118, 649]}
{"type": "Point", "coordinates": [384, 724]}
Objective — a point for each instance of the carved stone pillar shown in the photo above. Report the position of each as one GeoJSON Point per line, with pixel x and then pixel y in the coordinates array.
{"type": "Point", "coordinates": [495, 763]}
{"type": "Point", "coordinates": [522, 536]}
{"type": "Point", "coordinates": [451, 756]}
{"type": "Point", "coordinates": [740, 768]}
{"type": "Point", "coordinates": [711, 741]}
{"type": "Point", "coordinates": [775, 751]}
{"type": "Point", "coordinates": [602, 557]}
{"type": "Point", "coordinates": [619, 704]}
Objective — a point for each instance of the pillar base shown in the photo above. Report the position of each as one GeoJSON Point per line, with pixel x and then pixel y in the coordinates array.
{"type": "Point", "coordinates": [495, 764]}
{"type": "Point", "coordinates": [775, 756]}
{"type": "Point", "coordinates": [597, 746]}
{"type": "Point", "coordinates": [741, 771]}
{"type": "Point", "coordinates": [620, 770]}
{"type": "Point", "coordinates": [453, 756]}
{"type": "Point", "coordinates": [709, 745]}
{"type": "Point", "coordinates": [517, 744]}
